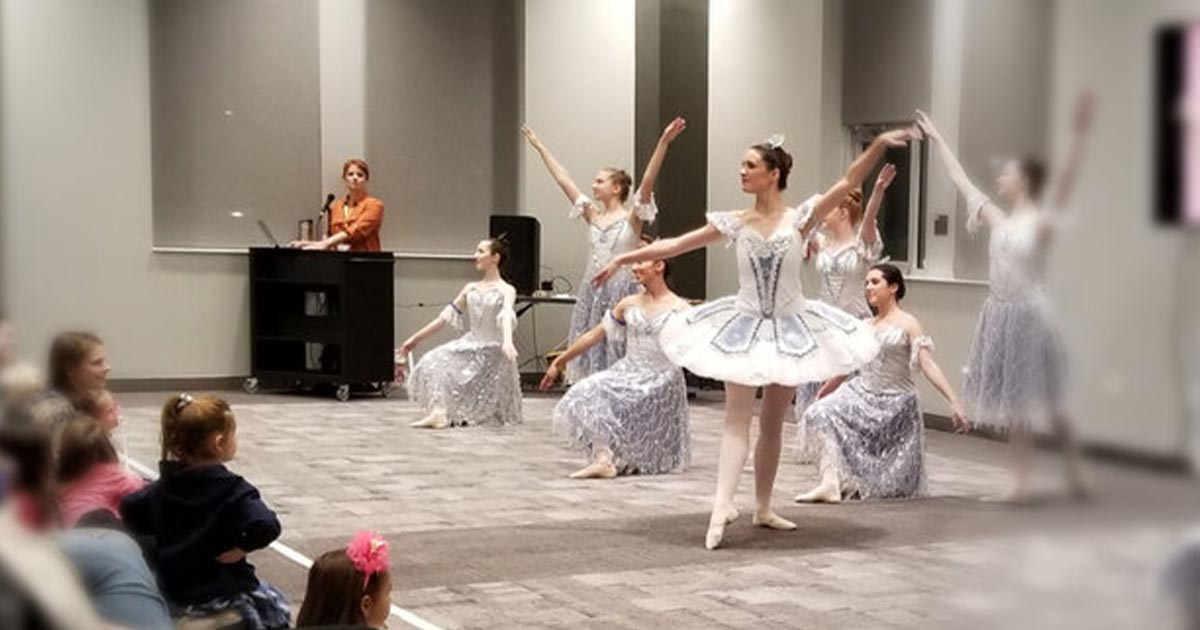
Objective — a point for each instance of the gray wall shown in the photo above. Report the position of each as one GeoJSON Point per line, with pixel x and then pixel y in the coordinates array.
{"type": "Point", "coordinates": [77, 112]}
{"type": "Point", "coordinates": [80, 119]}
{"type": "Point", "coordinates": [441, 118]}
{"type": "Point", "coordinates": [1005, 98]}
{"type": "Point", "coordinates": [1125, 287]}
{"type": "Point", "coordinates": [887, 50]}
{"type": "Point", "coordinates": [235, 119]}
{"type": "Point", "coordinates": [76, 207]}
{"type": "Point", "coordinates": [756, 90]}
{"type": "Point", "coordinates": [672, 80]}
{"type": "Point", "coordinates": [579, 98]}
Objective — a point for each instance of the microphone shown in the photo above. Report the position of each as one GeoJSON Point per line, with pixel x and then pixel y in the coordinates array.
{"type": "Point", "coordinates": [325, 211]}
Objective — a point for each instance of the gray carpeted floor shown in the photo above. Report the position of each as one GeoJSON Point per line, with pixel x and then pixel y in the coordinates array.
{"type": "Point", "coordinates": [488, 532]}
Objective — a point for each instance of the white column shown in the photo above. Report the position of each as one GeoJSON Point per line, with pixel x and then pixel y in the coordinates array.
{"type": "Point", "coordinates": [578, 96]}
{"type": "Point", "coordinates": [342, 29]}
{"type": "Point", "coordinates": [949, 23]}
{"type": "Point", "coordinates": [765, 77]}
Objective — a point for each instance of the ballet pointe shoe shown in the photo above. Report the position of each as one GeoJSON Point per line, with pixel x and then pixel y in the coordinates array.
{"type": "Point", "coordinates": [824, 493]}
{"type": "Point", "coordinates": [771, 520]}
{"type": "Point", "coordinates": [716, 528]}
{"type": "Point", "coordinates": [435, 420]}
{"type": "Point", "coordinates": [1017, 495]}
{"type": "Point", "coordinates": [600, 469]}
{"type": "Point", "coordinates": [716, 532]}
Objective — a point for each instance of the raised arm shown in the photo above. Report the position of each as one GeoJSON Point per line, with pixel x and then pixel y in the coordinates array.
{"type": "Point", "coordinates": [557, 170]}
{"type": "Point", "coordinates": [1064, 184]}
{"type": "Point", "coordinates": [989, 213]}
{"type": "Point", "coordinates": [661, 249]}
{"type": "Point", "coordinates": [437, 323]}
{"type": "Point", "coordinates": [858, 172]}
{"type": "Point", "coordinates": [869, 231]}
{"type": "Point", "coordinates": [646, 187]}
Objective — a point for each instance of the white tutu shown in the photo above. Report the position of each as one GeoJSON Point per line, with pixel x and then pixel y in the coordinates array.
{"type": "Point", "coordinates": [768, 333]}
{"type": "Point", "coordinates": [720, 341]}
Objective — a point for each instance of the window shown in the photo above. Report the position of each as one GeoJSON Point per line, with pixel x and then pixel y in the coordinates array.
{"type": "Point", "coordinates": [919, 224]}
{"type": "Point", "coordinates": [901, 214]}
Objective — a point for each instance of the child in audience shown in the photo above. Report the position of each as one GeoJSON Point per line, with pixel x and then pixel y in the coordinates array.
{"type": "Point", "coordinates": [350, 586]}
{"type": "Point", "coordinates": [90, 475]}
{"type": "Point", "coordinates": [20, 383]}
{"type": "Point", "coordinates": [100, 405]}
{"type": "Point", "coordinates": [206, 519]}
{"type": "Point", "coordinates": [27, 446]}
{"type": "Point", "coordinates": [78, 364]}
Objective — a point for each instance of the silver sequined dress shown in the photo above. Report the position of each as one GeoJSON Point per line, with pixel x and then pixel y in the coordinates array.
{"type": "Point", "coordinates": [470, 377]}
{"type": "Point", "coordinates": [768, 333]}
{"type": "Point", "coordinates": [870, 429]}
{"type": "Point", "coordinates": [637, 408]}
{"type": "Point", "coordinates": [593, 302]}
{"type": "Point", "coordinates": [1016, 364]}
{"type": "Point", "coordinates": [843, 271]}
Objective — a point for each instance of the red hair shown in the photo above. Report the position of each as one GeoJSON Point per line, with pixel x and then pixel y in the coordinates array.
{"type": "Point", "coordinates": [361, 164]}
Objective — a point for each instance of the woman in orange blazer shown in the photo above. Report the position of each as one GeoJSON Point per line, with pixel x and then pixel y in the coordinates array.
{"type": "Point", "coordinates": [354, 219]}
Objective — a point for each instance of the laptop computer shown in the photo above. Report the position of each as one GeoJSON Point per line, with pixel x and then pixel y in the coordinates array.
{"type": "Point", "coordinates": [262, 225]}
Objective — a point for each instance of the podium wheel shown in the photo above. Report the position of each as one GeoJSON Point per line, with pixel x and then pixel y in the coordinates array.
{"type": "Point", "coordinates": [250, 385]}
{"type": "Point", "coordinates": [343, 393]}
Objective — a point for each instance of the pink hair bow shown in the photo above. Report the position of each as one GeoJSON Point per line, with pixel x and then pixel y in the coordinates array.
{"type": "Point", "coordinates": [369, 553]}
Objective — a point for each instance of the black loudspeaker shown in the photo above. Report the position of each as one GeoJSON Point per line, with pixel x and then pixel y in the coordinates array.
{"type": "Point", "coordinates": [524, 236]}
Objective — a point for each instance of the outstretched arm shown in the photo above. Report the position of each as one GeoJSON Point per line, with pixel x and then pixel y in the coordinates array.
{"type": "Point", "coordinates": [436, 324]}
{"type": "Point", "coordinates": [557, 170]}
{"type": "Point", "coordinates": [958, 416]}
{"type": "Point", "coordinates": [990, 213]}
{"type": "Point", "coordinates": [661, 249]}
{"type": "Point", "coordinates": [829, 386]}
{"type": "Point", "coordinates": [582, 344]}
{"type": "Point", "coordinates": [646, 187]}
{"type": "Point", "coordinates": [1065, 183]}
{"type": "Point", "coordinates": [869, 231]}
{"type": "Point", "coordinates": [858, 172]}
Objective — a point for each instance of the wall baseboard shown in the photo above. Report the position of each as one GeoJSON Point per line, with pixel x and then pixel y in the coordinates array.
{"type": "Point", "coordinates": [1165, 463]}
{"type": "Point", "coordinates": [205, 383]}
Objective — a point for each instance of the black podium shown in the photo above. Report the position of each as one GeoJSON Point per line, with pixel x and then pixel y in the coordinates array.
{"type": "Point", "coordinates": [321, 319]}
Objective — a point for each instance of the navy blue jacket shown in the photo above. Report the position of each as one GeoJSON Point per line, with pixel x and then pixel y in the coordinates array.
{"type": "Point", "coordinates": [194, 515]}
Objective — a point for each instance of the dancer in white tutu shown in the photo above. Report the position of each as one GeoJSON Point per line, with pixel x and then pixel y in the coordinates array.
{"type": "Point", "coordinates": [472, 379]}
{"type": "Point", "coordinates": [633, 417]}
{"type": "Point", "coordinates": [846, 246]}
{"type": "Point", "coordinates": [767, 335]}
{"type": "Point", "coordinates": [612, 229]}
{"type": "Point", "coordinates": [1015, 368]}
{"type": "Point", "coordinates": [868, 434]}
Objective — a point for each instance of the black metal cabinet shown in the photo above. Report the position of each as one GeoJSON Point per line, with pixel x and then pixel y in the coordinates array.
{"type": "Point", "coordinates": [321, 319]}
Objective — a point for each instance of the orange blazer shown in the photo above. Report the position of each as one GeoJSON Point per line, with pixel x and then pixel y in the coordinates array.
{"type": "Point", "coordinates": [361, 222]}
